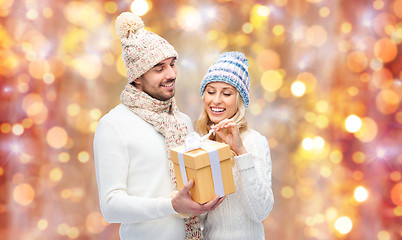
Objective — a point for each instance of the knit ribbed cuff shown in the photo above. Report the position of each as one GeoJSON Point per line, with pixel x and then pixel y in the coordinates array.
{"type": "Point", "coordinates": [166, 206]}
{"type": "Point", "coordinates": [244, 161]}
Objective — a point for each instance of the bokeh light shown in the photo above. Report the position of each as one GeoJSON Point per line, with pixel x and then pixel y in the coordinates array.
{"type": "Point", "coordinates": [368, 130]}
{"type": "Point", "coordinates": [387, 101]}
{"type": "Point", "coordinates": [23, 194]}
{"type": "Point", "coordinates": [316, 35]}
{"type": "Point", "coordinates": [95, 222]}
{"type": "Point", "coordinates": [385, 50]}
{"type": "Point", "coordinates": [56, 174]}
{"type": "Point", "coordinates": [396, 194]}
{"type": "Point", "coordinates": [287, 192]}
{"type": "Point", "coordinates": [57, 137]}
{"type": "Point", "coordinates": [357, 61]}
{"type": "Point", "coordinates": [189, 18]}
{"type": "Point", "coordinates": [42, 224]}
{"type": "Point", "coordinates": [298, 88]}
{"type": "Point", "coordinates": [308, 143]}
{"type": "Point", "coordinates": [81, 64]}
{"type": "Point", "coordinates": [343, 225]}
{"type": "Point", "coordinates": [271, 80]}
{"type": "Point", "coordinates": [83, 156]}
{"type": "Point", "coordinates": [361, 194]}
{"type": "Point", "coordinates": [140, 7]}
{"type": "Point", "coordinates": [309, 81]}
{"type": "Point", "coordinates": [353, 123]}
{"type": "Point", "coordinates": [268, 59]}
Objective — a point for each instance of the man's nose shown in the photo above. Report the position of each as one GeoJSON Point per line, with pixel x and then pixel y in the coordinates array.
{"type": "Point", "coordinates": [171, 73]}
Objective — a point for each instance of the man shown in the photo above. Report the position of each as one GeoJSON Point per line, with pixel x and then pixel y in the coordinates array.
{"type": "Point", "coordinates": [134, 172]}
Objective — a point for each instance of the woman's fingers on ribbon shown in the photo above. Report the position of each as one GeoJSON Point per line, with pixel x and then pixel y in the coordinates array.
{"type": "Point", "coordinates": [226, 123]}
{"type": "Point", "coordinates": [232, 137]}
{"type": "Point", "coordinates": [222, 124]}
{"type": "Point", "coordinates": [231, 126]}
{"type": "Point", "coordinates": [232, 129]}
{"type": "Point", "coordinates": [224, 137]}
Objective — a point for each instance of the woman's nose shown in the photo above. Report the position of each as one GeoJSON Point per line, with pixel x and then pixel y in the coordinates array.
{"type": "Point", "coordinates": [217, 99]}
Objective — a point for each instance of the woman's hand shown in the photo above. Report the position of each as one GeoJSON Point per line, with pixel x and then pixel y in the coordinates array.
{"type": "Point", "coordinates": [231, 136]}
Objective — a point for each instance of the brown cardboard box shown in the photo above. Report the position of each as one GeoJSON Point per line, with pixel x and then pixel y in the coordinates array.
{"type": "Point", "coordinates": [197, 165]}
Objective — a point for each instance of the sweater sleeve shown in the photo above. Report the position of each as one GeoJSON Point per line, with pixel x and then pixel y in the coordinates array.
{"type": "Point", "coordinates": [254, 178]}
{"type": "Point", "coordinates": [111, 166]}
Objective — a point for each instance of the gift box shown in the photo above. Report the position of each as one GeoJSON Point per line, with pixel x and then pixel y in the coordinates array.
{"type": "Point", "coordinates": [209, 166]}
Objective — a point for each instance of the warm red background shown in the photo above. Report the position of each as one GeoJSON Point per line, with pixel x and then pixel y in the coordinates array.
{"type": "Point", "coordinates": [61, 70]}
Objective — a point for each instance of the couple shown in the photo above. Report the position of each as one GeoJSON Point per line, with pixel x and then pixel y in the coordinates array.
{"type": "Point", "coordinates": [134, 172]}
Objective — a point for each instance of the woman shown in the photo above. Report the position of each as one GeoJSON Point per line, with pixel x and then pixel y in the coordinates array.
{"type": "Point", "coordinates": [225, 92]}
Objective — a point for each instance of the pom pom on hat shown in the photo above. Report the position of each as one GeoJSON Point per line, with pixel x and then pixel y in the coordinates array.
{"type": "Point", "coordinates": [141, 49]}
{"type": "Point", "coordinates": [230, 68]}
{"type": "Point", "coordinates": [127, 23]}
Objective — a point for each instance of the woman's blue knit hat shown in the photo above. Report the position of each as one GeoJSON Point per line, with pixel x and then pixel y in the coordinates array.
{"type": "Point", "coordinates": [230, 68]}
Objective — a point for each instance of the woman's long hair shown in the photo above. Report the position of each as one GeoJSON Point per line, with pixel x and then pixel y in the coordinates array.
{"type": "Point", "coordinates": [203, 124]}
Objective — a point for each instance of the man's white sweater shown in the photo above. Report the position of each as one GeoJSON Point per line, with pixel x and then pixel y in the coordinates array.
{"type": "Point", "coordinates": [132, 173]}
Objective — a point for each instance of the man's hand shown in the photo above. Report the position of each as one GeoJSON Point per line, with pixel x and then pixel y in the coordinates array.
{"type": "Point", "coordinates": [183, 203]}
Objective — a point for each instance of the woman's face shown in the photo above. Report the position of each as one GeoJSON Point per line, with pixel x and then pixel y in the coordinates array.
{"type": "Point", "coordinates": [220, 101]}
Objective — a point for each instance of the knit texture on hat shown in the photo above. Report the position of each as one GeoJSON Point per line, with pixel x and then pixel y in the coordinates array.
{"type": "Point", "coordinates": [141, 49]}
{"type": "Point", "coordinates": [230, 68]}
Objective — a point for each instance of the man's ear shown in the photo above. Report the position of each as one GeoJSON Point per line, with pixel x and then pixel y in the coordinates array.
{"type": "Point", "coordinates": [137, 81]}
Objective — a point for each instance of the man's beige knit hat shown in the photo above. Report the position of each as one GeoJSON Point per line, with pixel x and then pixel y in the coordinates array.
{"type": "Point", "coordinates": [141, 49]}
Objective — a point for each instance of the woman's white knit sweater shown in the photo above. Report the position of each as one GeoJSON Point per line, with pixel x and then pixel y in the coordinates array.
{"type": "Point", "coordinates": [240, 214]}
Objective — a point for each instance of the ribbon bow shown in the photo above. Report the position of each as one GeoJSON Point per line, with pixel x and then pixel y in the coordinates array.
{"type": "Point", "coordinates": [194, 141]}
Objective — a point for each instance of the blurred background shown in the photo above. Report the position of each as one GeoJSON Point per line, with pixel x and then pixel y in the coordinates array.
{"type": "Point", "coordinates": [326, 91]}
